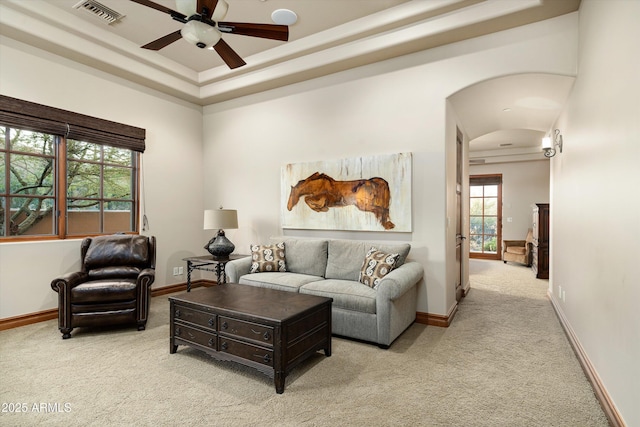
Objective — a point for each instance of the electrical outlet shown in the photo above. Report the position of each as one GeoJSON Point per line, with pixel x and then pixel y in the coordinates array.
{"type": "Point", "coordinates": [175, 271]}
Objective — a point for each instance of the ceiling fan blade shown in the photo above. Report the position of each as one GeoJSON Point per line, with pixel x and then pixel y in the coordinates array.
{"type": "Point", "coordinates": [228, 55]}
{"type": "Point", "coordinates": [163, 41]}
{"type": "Point", "coordinates": [265, 31]}
{"type": "Point", "coordinates": [161, 8]}
{"type": "Point", "coordinates": [209, 4]}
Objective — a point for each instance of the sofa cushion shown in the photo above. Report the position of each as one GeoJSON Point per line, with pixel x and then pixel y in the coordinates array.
{"type": "Point", "coordinates": [518, 250]}
{"type": "Point", "coordinates": [276, 280]}
{"type": "Point", "coordinates": [345, 257]}
{"type": "Point", "coordinates": [376, 265]}
{"type": "Point", "coordinates": [268, 258]}
{"type": "Point", "coordinates": [307, 256]}
{"type": "Point", "coordinates": [346, 294]}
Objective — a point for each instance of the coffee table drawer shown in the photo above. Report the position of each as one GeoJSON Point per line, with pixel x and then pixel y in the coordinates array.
{"type": "Point", "coordinates": [252, 331]}
{"type": "Point", "coordinates": [197, 317]}
{"type": "Point", "coordinates": [246, 351]}
{"type": "Point", "coordinates": [195, 335]}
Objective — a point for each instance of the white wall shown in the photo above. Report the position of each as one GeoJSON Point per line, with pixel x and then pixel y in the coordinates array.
{"type": "Point", "coordinates": [595, 208]}
{"type": "Point", "coordinates": [172, 176]}
{"type": "Point", "coordinates": [394, 106]}
{"type": "Point", "coordinates": [523, 185]}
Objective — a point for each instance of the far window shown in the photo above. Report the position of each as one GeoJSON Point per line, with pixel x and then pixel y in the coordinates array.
{"type": "Point", "coordinates": [485, 216]}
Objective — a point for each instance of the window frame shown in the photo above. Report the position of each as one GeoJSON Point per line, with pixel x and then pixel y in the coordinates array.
{"type": "Point", "coordinates": [481, 181]}
{"type": "Point", "coordinates": [65, 125]}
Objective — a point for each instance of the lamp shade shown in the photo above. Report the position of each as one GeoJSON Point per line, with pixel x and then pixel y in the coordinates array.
{"type": "Point", "coordinates": [217, 219]}
{"type": "Point", "coordinates": [546, 142]}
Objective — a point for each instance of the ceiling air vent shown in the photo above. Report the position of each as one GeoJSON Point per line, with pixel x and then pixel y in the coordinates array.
{"type": "Point", "coordinates": [99, 10]}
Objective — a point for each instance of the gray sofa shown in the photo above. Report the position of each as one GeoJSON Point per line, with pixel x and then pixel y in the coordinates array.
{"type": "Point", "coordinates": [331, 268]}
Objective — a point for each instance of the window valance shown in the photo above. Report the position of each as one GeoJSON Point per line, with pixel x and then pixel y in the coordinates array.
{"type": "Point", "coordinates": [485, 180]}
{"type": "Point", "coordinates": [41, 118]}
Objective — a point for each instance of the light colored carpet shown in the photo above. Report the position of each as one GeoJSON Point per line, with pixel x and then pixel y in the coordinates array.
{"type": "Point", "coordinates": [503, 362]}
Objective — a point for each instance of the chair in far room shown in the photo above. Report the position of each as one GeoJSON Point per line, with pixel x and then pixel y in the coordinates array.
{"type": "Point", "coordinates": [518, 250]}
{"type": "Point", "coordinates": [113, 286]}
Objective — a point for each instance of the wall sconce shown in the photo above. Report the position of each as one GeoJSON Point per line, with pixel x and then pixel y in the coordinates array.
{"type": "Point", "coordinates": [548, 145]}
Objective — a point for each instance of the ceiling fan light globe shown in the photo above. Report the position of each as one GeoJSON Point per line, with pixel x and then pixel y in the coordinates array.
{"type": "Point", "coordinates": [186, 7]}
{"type": "Point", "coordinates": [200, 34]}
{"type": "Point", "coordinates": [220, 11]}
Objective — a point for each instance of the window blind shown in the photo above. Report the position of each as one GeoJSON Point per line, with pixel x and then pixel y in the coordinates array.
{"type": "Point", "coordinates": [41, 118]}
{"type": "Point", "coordinates": [485, 180]}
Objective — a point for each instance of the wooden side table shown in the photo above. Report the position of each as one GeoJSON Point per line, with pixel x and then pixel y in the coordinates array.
{"type": "Point", "coordinates": [208, 263]}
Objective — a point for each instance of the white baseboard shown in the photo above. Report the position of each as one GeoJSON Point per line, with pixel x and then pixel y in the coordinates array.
{"type": "Point", "coordinates": [609, 408]}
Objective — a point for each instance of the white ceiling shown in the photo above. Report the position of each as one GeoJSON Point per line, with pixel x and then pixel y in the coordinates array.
{"type": "Point", "coordinates": [511, 114]}
{"type": "Point", "coordinates": [330, 36]}
{"type": "Point", "coordinates": [142, 24]}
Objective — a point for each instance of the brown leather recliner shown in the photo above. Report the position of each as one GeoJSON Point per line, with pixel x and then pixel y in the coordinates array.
{"type": "Point", "coordinates": [518, 250]}
{"type": "Point", "coordinates": [113, 287]}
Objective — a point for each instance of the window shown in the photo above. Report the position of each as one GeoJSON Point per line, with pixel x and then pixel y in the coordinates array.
{"type": "Point", "coordinates": [101, 188]}
{"type": "Point", "coordinates": [485, 216]}
{"type": "Point", "coordinates": [27, 190]}
{"type": "Point", "coordinates": [62, 179]}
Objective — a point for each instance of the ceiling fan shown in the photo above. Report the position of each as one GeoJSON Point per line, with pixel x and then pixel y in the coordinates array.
{"type": "Point", "coordinates": [203, 27]}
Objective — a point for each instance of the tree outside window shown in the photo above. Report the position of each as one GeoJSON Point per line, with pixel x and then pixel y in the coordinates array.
{"type": "Point", "coordinates": [100, 182]}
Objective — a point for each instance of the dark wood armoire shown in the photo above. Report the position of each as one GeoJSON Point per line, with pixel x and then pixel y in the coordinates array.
{"type": "Point", "coordinates": [540, 250]}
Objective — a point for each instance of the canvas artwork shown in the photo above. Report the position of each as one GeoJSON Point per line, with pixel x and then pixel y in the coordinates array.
{"type": "Point", "coordinates": [365, 193]}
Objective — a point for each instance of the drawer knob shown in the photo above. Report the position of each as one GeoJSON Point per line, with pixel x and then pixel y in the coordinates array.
{"type": "Point", "coordinates": [211, 342]}
{"type": "Point", "coordinates": [224, 345]}
{"type": "Point", "coordinates": [178, 313]}
{"type": "Point", "coordinates": [266, 358]}
{"type": "Point", "coordinates": [212, 321]}
{"type": "Point", "coordinates": [178, 331]}
{"type": "Point", "coordinates": [267, 336]}
{"type": "Point", "coordinates": [225, 325]}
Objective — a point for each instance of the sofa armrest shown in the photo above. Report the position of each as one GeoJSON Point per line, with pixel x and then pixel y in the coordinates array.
{"type": "Point", "coordinates": [236, 268]}
{"type": "Point", "coordinates": [513, 243]}
{"type": "Point", "coordinates": [69, 281]}
{"type": "Point", "coordinates": [400, 280]}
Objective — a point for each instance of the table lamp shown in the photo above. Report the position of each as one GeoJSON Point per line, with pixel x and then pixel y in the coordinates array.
{"type": "Point", "coordinates": [218, 219]}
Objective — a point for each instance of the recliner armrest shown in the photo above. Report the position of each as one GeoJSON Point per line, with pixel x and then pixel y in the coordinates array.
{"type": "Point", "coordinates": [69, 280]}
{"type": "Point", "coordinates": [146, 277]}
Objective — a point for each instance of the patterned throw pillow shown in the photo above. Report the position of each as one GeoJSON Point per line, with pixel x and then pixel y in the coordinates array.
{"type": "Point", "coordinates": [376, 265]}
{"type": "Point", "coordinates": [268, 258]}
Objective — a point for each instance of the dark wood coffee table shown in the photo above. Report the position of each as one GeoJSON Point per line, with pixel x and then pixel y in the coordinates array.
{"type": "Point", "coordinates": [269, 330]}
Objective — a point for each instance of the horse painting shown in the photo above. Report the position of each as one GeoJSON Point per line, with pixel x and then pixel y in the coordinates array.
{"type": "Point", "coordinates": [322, 192]}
